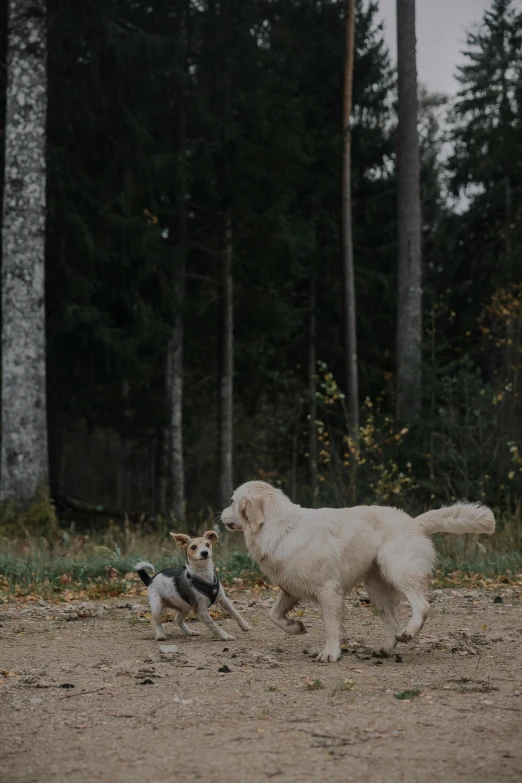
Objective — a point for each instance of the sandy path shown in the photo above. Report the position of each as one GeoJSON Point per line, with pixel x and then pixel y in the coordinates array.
{"type": "Point", "coordinates": [148, 717]}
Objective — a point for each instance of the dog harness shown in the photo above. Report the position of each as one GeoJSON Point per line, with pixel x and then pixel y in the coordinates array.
{"type": "Point", "coordinates": [210, 589]}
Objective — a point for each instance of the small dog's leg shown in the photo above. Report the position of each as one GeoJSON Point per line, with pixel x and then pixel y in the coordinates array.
{"type": "Point", "coordinates": [228, 607]}
{"type": "Point", "coordinates": [156, 610]}
{"type": "Point", "coordinates": [209, 622]}
{"type": "Point", "coordinates": [283, 604]}
{"type": "Point", "coordinates": [331, 601]}
{"type": "Point", "coordinates": [180, 619]}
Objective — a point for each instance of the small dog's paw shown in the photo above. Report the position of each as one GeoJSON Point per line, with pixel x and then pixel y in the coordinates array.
{"type": "Point", "coordinates": [404, 637]}
{"type": "Point", "coordinates": [295, 627]}
{"type": "Point", "coordinates": [329, 655]}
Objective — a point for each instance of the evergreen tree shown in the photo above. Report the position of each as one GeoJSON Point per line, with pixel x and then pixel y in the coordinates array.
{"type": "Point", "coordinates": [487, 138]}
{"type": "Point", "coordinates": [265, 143]}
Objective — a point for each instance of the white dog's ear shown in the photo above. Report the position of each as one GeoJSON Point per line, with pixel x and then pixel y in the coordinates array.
{"type": "Point", "coordinates": [212, 536]}
{"type": "Point", "coordinates": [181, 539]}
{"type": "Point", "coordinates": [251, 509]}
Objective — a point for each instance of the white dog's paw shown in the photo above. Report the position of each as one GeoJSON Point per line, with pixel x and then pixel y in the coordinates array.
{"type": "Point", "coordinates": [382, 652]}
{"type": "Point", "coordinates": [246, 627]}
{"type": "Point", "coordinates": [227, 637]}
{"type": "Point", "coordinates": [329, 655]}
{"type": "Point", "coordinates": [160, 637]}
{"type": "Point", "coordinates": [404, 637]}
{"type": "Point", "coordinates": [295, 627]}
{"type": "Point", "coordinates": [193, 633]}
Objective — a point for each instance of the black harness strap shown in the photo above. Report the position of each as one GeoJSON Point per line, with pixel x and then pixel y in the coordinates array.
{"type": "Point", "coordinates": [210, 589]}
{"type": "Point", "coordinates": [180, 589]}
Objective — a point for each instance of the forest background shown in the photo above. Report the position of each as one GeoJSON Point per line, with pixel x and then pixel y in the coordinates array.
{"type": "Point", "coordinates": [193, 262]}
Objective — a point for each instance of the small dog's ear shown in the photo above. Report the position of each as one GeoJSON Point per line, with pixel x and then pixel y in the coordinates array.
{"type": "Point", "coordinates": [252, 510]}
{"type": "Point", "coordinates": [212, 536]}
{"type": "Point", "coordinates": [181, 539]}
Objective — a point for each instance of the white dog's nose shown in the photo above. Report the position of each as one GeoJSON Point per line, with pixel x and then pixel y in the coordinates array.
{"type": "Point", "coordinates": [227, 515]}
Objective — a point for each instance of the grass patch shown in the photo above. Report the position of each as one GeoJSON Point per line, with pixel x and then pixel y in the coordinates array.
{"type": "Point", "coordinates": [498, 568]}
{"type": "Point", "coordinates": [346, 685]}
{"type": "Point", "coordinates": [313, 685]}
{"type": "Point", "coordinates": [101, 564]}
{"type": "Point", "coordinates": [406, 695]}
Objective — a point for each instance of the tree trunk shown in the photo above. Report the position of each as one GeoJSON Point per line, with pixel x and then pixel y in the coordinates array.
{"type": "Point", "coordinates": [409, 301]}
{"type": "Point", "coordinates": [175, 469]}
{"type": "Point", "coordinates": [312, 391]}
{"type": "Point", "coordinates": [227, 372]}
{"type": "Point", "coordinates": [175, 364]}
{"type": "Point", "coordinates": [171, 480]}
{"type": "Point", "coordinates": [350, 336]}
{"type": "Point", "coordinates": [24, 452]}
{"type": "Point", "coordinates": [162, 455]}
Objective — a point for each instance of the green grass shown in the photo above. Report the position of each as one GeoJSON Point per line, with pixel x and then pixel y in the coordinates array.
{"type": "Point", "coordinates": [491, 565]}
{"type": "Point", "coordinates": [100, 561]}
{"type": "Point", "coordinates": [75, 562]}
{"type": "Point", "coordinates": [406, 695]}
{"type": "Point", "coordinates": [313, 685]}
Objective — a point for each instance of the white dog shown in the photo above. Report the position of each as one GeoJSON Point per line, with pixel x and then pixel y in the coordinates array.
{"type": "Point", "coordinates": [320, 554]}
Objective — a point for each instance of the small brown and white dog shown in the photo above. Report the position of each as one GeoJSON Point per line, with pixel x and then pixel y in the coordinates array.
{"type": "Point", "coordinates": [321, 554]}
{"type": "Point", "coordinates": [195, 586]}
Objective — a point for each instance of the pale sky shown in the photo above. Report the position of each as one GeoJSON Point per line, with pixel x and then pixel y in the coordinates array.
{"type": "Point", "coordinates": [441, 30]}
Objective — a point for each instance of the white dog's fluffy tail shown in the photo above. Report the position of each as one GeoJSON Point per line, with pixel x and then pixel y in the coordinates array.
{"type": "Point", "coordinates": [143, 568]}
{"type": "Point", "coordinates": [461, 518]}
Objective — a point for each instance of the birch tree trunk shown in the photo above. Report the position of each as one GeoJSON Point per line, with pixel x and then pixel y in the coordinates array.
{"type": "Point", "coordinates": [24, 452]}
{"type": "Point", "coordinates": [409, 301]}
{"type": "Point", "coordinates": [350, 335]}
{"type": "Point", "coordinates": [227, 372]}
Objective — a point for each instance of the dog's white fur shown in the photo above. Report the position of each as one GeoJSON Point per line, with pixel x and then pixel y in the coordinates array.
{"type": "Point", "coordinates": [320, 554]}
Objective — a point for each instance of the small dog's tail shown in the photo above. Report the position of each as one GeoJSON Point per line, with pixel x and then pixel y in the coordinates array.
{"type": "Point", "coordinates": [461, 518]}
{"type": "Point", "coordinates": [143, 568]}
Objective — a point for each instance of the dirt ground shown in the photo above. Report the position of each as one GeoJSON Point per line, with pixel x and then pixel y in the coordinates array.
{"type": "Point", "coordinates": [260, 707]}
